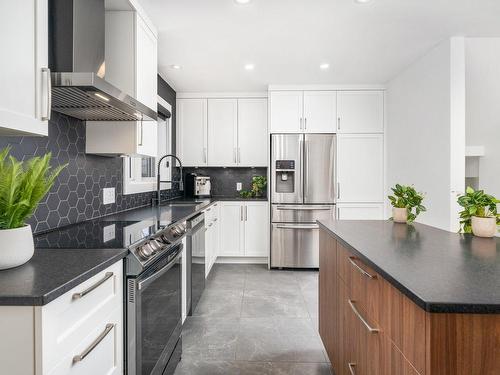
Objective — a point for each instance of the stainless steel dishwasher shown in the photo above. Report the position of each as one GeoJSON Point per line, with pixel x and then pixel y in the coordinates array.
{"type": "Point", "coordinates": [195, 261]}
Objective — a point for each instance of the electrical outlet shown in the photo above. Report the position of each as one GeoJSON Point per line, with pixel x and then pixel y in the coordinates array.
{"type": "Point", "coordinates": [108, 195]}
{"type": "Point", "coordinates": [238, 186]}
{"type": "Point", "coordinates": [108, 233]}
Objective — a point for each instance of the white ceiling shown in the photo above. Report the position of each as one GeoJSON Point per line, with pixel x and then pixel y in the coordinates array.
{"type": "Point", "coordinates": [287, 40]}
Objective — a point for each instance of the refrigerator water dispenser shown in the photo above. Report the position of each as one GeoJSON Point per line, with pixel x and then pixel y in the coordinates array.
{"type": "Point", "coordinates": [285, 176]}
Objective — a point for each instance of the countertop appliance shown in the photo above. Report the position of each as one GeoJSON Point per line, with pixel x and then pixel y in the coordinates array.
{"type": "Point", "coordinates": [198, 186]}
{"type": "Point", "coordinates": [154, 302]}
{"type": "Point", "coordinates": [76, 58]}
{"type": "Point", "coordinates": [302, 191]}
{"type": "Point", "coordinates": [195, 261]}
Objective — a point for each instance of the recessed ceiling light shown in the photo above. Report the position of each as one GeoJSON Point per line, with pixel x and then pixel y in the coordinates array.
{"type": "Point", "coordinates": [175, 66]}
{"type": "Point", "coordinates": [249, 66]}
{"type": "Point", "coordinates": [362, 1]}
{"type": "Point", "coordinates": [324, 66]}
{"type": "Point", "coordinates": [242, 2]}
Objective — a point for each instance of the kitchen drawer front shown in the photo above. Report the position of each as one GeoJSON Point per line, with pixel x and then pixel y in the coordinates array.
{"type": "Point", "coordinates": [405, 324]}
{"type": "Point", "coordinates": [364, 284]}
{"type": "Point", "coordinates": [101, 349]}
{"type": "Point", "coordinates": [67, 321]}
{"type": "Point", "coordinates": [286, 213]}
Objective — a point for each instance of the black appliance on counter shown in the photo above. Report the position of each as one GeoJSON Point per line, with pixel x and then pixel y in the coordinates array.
{"type": "Point", "coordinates": [154, 303]}
{"type": "Point", "coordinates": [195, 261]}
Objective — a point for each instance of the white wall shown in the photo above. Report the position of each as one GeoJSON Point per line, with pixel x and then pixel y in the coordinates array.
{"type": "Point", "coordinates": [426, 130]}
{"type": "Point", "coordinates": [483, 107]}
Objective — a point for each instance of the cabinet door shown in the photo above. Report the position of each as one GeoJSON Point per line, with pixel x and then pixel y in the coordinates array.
{"type": "Point", "coordinates": [232, 226]}
{"type": "Point", "coordinates": [320, 111]}
{"type": "Point", "coordinates": [222, 132]}
{"type": "Point", "coordinates": [252, 132]}
{"type": "Point", "coordinates": [360, 211]}
{"type": "Point", "coordinates": [256, 229]}
{"type": "Point", "coordinates": [192, 131]}
{"type": "Point", "coordinates": [360, 168]}
{"type": "Point", "coordinates": [146, 86]}
{"type": "Point", "coordinates": [360, 112]}
{"type": "Point", "coordinates": [24, 98]}
{"type": "Point", "coordinates": [285, 111]}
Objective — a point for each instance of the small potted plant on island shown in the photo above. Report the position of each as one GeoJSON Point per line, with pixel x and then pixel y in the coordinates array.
{"type": "Point", "coordinates": [404, 200]}
{"type": "Point", "coordinates": [479, 215]}
{"type": "Point", "coordinates": [22, 186]}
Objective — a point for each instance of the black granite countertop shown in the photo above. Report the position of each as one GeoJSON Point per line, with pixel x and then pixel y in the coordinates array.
{"type": "Point", "coordinates": [67, 256]}
{"type": "Point", "coordinates": [51, 273]}
{"type": "Point", "coordinates": [440, 271]}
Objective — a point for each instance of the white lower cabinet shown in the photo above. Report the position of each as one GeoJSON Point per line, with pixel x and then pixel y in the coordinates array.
{"type": "Point", "coordinates": [211, 236]}
{"type": "Point", "coordinates": [244, 229]}
{"type": "Point", "coordinates": [80, 332]}
{"type": "Point", "coordinates": [360, 211]}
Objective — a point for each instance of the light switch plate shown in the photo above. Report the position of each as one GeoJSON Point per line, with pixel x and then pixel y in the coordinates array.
{"type": "Point", "coordinates": [108, 195]}
{"type": "Point", "coordinates": [108, 233]}
{"type": "Point", "coordinates": [238, 186]}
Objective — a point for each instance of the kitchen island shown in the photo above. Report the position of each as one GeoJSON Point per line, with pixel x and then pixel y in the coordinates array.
{"type": "Point", "coordinates": [398, 299]}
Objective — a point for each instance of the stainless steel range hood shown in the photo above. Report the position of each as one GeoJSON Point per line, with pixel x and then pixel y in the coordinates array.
{"type": "Point", "coordinates": [76, 58]}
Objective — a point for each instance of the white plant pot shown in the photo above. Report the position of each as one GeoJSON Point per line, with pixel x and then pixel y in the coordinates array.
{"type": "Point", "coordinates": [484, 226]}
{"type": "Point", "coordinates": [399, 215]}
{"type": "Point", "coordinates": [16, 246]}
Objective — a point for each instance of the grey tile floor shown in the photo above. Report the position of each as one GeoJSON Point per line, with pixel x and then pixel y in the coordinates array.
{"type": "Point", "coordinates": [254, 321]}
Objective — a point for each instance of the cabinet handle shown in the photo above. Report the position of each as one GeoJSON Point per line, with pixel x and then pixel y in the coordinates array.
{"type": "Point", "coordinates": [338, 190]}
{"type": "Point", "coordinates": [300, 124]}
{"type": "Point", "coordinates": [209, 225]}
{"type": "Point", "coordinates": [81, 294]}
{"type": "Point", "coordinates": [360, 317]}
{"type": "Point", "coordinates": [235, 157]}
{"type": "Point", "coordinates": [215, 220]}
{"type": "Point", "coordinates": [338, 123]}
{"type": "Point", "coordinates": [305, 123]}
{"type": "Point", "coordinates": [246, 213]}
{"type": "Point", "coordinates": [141, 133]}
{"type": "Point", "coordinates": [92, 346]}
{"type": "Point", "coordinates": [241, 213]}
{"type": "Point", "coordinates": [351, 368]}
{"type": "Point", "coordinates": [48, 85]}
{"type": "Point", "coordinates": [239, 155]}
{"type": "Point", "coordinates": [204, 154]}
{"type": "Point", "coordinates": [362, 271]}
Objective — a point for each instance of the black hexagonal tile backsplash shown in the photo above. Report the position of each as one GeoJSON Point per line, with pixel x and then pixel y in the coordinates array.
{"type": "Point", "coordinates": [77, 194]}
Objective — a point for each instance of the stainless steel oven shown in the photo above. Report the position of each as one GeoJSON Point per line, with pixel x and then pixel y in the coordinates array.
{"type": "Point", "coordinates": [154, 319]}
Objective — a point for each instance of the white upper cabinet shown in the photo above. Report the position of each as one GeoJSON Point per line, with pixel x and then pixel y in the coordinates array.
{"type": "Point", "coordinates": [286, 111]}
{"type": "Point", "coordinates": [252, 132]}
{"type": "Point", "coordinates": [320, 111]}
{"type": "Point", "coordinates": [302, 111]}
{"type": "Point", "coordinates": [360, 168]}
{"type": "Point", "coordinates": [131, 65]}
{"type": "Point", "coordinates": [146, 85]}
{"type": "Point", "coordinates": [192, 131]}
{"type": "Point", "coordinates": [228, 132]}
{"type": "Point", "coordinates": [360, 112]}
{"type": "Point", "coordinates": [25, 94]}
{"type": "Point", "coordinates": [222, 132]}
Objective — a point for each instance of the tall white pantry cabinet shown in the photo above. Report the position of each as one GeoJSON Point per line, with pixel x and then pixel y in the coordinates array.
{"type": "Point", "coordinates": [357, 117]}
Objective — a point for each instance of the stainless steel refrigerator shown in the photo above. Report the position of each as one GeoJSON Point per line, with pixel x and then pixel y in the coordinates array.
{"type": "Point", "coordinates": [303, 190]}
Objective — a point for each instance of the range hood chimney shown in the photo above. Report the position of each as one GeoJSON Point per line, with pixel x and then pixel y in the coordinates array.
{"type": "Point", "coordinates": [76, 58]}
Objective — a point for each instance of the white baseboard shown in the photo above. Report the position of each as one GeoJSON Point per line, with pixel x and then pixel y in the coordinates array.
{"type": "Point", "coordinates": [242, 260]}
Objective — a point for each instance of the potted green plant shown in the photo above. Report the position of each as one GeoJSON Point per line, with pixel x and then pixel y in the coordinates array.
{"type": "Point", "coordinates": [404, 201]}
{"type": "Point", "coordinates": [22, 186]}
{"type": "Point", "coordinates": [259, 184]}
{"type": "Point", "coordinates": [479, 215]}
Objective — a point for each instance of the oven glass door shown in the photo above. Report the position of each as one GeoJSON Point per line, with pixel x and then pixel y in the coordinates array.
{"type": "Point", "coordinates": [158, 307]}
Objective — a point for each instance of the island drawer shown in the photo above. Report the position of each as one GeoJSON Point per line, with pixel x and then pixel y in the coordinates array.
{"type": "Point", "coordinates": [364, 284]}
{"type": "Point", "coordinates": [67, 321]}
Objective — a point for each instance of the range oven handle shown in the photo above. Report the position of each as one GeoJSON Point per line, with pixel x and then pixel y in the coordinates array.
{"type": "Point", "coordinates": [148, 280]}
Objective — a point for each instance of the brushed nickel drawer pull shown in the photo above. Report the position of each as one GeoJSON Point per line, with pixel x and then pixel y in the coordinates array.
{"type": "Point", "coordinates": [351, 368]}
{"type": "Point", "coordinates": [79, 295]}
{"type": "Point", "coordinates": [92, 346]}
{"type": "Point", "coordinates": [360, 317]}
{"type": "Point", "coordinates": [351, 260]}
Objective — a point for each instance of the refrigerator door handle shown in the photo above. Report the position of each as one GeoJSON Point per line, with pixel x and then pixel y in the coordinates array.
{"type": "Point", "coordinates": [305, 208]}
{"type": "Point", "coordinates": [306, 169]}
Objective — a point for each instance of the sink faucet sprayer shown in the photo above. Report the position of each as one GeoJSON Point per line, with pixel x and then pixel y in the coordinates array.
{"type": "Point", "coordinates": [159, 181]}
